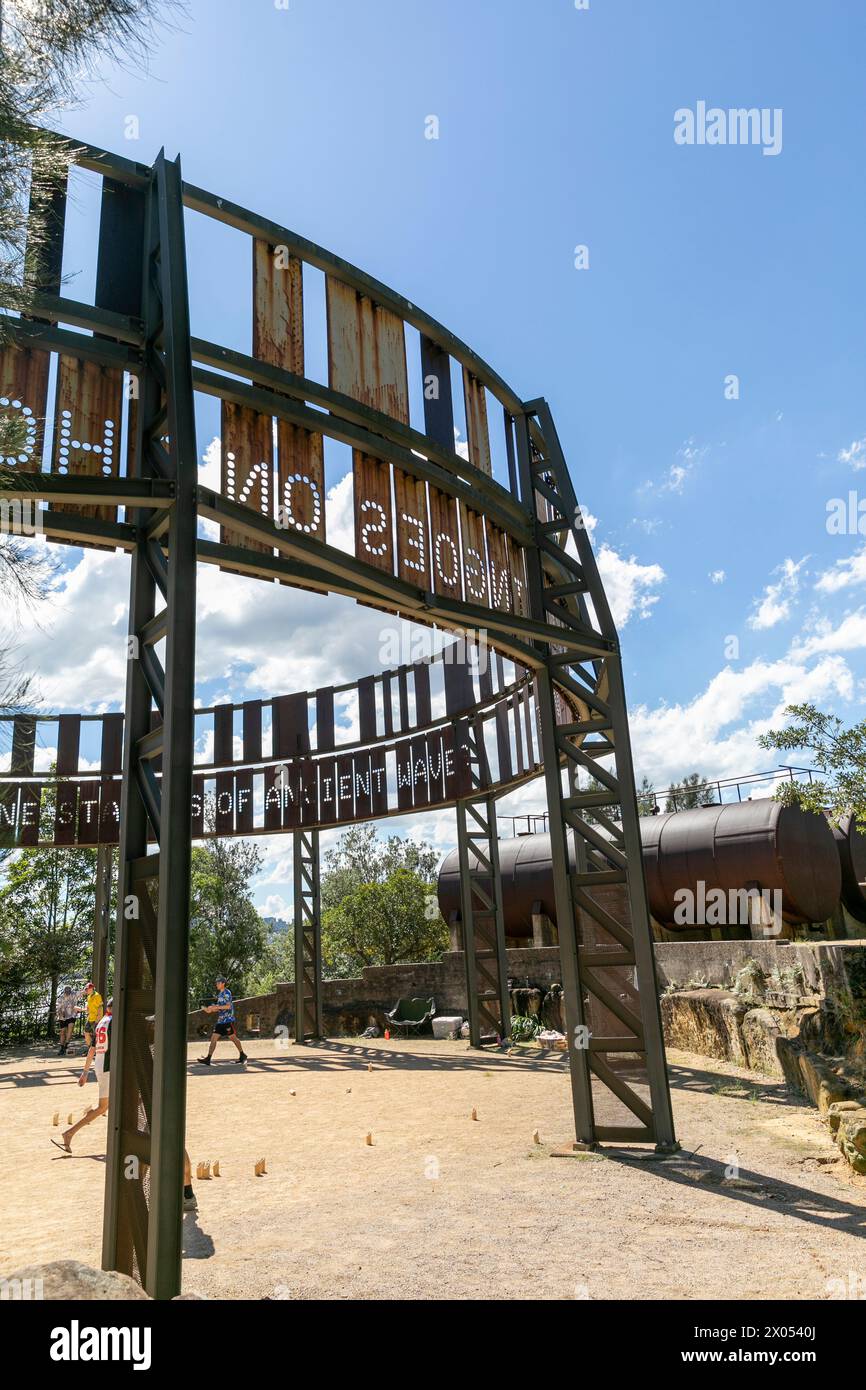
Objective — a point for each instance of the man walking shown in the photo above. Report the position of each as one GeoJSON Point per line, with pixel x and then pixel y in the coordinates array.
{"type": "Point", "coordinates": [67, 1010]}
{"type": "Point", "coordinates": [224, 1027]}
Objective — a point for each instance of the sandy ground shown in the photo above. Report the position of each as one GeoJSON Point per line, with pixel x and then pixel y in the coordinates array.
{"type": "Point", "coordinates": [441, 1206]}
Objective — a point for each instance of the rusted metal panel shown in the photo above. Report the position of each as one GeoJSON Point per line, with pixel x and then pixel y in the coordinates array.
{"type": "Point", "coordinates": [224, 809]}
{"type": "Point", "coordinates": [436, 766]}
{"type": "Point", "coordinates": [404, 774]}
{"type": "Point", "coordinates": [503, 742]}
{"type": "Point", "coordinates": [438, 405]}
{"type": "Point", "coordinates": [9, 794]}
{"type": "Point", "coordinates": [459, 691]}
{"type": "Point", "coordinates": [29, 813]}
{"type": "Point", "coordinates": [68, 742]}
{"type": "Point", "coordinates": [197, 806]}
{"type": "Point", "coordinates": [274, 781]}
{"type": "Point", "coordinates": [300, 501]}
{"type": "Point", "coordinates": [387, 705]}
{"type": "Point", "coordinates": [423, 704]}
{"type": "Point", "coordinates": [109, 811]}
{"type": "Point", "coordinates": [413, 531]}
{"type": "Point", "coordinates": [373, 513]}
{"type": "Point", "coordinates": [345, 787]}
{"type": "Point", "coordinates": [24, 395]}
{"type": "Point", "coordinates": [366, 351]}
{"type": "Point", "coordinates": [363, 784]}
{"type": "Point", "coordinates": [223, 735]}
{"type": "Point", "coordinates": [88, 813]}
{"type": "Point", "coordinates": [477, 431]}
{"type": "Point", "coordinates": [244, 802]}
{"type": "Point", "coordinates": [499, 564]}
{"type": "Point", "coordinates": [252, 730]}
{"type": "Point", "coordinates": [111, 755]}
{"type": "Point", "coordinates": [445, 545]}
{"type": "Point", "coordinates": [87, 418]}
{"type": "Point", "coordinates": [291, 729]}
{"type": "Point", "coordinates": [367, 707]}
{"type": "Point", "coordinates": [517, 566]}
{"type": "Point", "coordinates": [66, 813]}
{"type": "Point", "coordinates": [278, 307]}
{"type": "Point", "coordinates": [474, 556]}
{"type": "Point", "coordinates": [247, 467]}
{"type": "Point", "coordinates": [420, 772]}
{"type": "Point", "coordinates": [403, 697]}
{"type": "Point", "coordinates": [328, 809]}
{"type": "Point", "coordinates": [308, 792]}
{"type": "Point", "coordinates": [325, 718]}
{"type": "Point", "coordinates": [379, 775]}
{"type": "Point", "coordinates": [23, 745]}
{"type": "Point", "coordinates": [514, 712]}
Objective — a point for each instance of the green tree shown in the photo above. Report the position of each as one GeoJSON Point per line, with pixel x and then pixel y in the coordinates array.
{"type": "Point", "coordinates": [46, 908]}
{"type": "Point", "coordinates": [361, 857]}
{"type": "Point", "coordinates": [226, 932]}
{"type": "Point", "coordinates": [383, 923]}
{"type": "Point", "coordinates": [646, 801]}
{"type": "Point", "coordinates": [838, 755]}
{"type": "Point", "coordinates": [277, 962]}
{"type": "Point", "coordinates": [692, 791]}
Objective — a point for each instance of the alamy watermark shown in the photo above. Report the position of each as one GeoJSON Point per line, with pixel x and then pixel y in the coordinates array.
{"type": "Point", "coordinates": [759, 908]}
{"type": "Point", "coordinates": [713, 125]}
{"type": "Point", "coordinates": [20, 517]}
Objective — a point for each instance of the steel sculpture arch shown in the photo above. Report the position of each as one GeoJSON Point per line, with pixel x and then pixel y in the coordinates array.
{"type": "Point", "coordinates": [438, 539]}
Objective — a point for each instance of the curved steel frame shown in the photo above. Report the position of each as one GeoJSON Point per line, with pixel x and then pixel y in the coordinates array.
{"type": "Point", "coordinates": [514, 562]}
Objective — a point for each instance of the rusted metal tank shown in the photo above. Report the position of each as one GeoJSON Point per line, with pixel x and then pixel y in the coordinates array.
{"type": "Point", "coordinates": [762, 843]}
{"type": "Point", "coordinates": [851, 845]}
{"type": "Point", "coordinates": [524, 864]}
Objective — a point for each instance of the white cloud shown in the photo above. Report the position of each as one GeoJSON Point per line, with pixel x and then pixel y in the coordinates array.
{"type": "Point", "coordinates": [844, 574]}
{"type": "Point", "coordinates": [687, 459]}
{"type": "Point", "coordinates": [855, 454]}
{"type": "Point", "coordinates": [717, 576]}
{"type": "Point", "coordinates": [774, 606]}
{"type": "Point", "coordinates": [628, 584]}
{"type": "Point", "coordinates": [849, 635]}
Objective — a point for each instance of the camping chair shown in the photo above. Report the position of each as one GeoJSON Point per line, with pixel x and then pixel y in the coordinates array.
{"type": "Point", "coordinates": [411, 1014]}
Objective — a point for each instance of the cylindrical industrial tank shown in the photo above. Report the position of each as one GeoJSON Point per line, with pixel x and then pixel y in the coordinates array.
{"type": "Point", "coordinates": [735, 846]}
{"type": "Point", "coordinates": [732, 846]}
{"type": "Point", "coordinates": [524, 866]}
{"type": "Point", "coordinates": [851, 845]}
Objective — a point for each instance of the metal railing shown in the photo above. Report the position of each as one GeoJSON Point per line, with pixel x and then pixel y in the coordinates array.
{"type": "Point", "coordinates": [725, 790]}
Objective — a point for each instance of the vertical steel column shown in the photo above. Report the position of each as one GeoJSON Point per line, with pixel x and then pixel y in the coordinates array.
{"type": "Point", "coordinates": [601, 907]}
{"type": "Point", "coordinates": [148, 1077]}
{"type": "Point", "coordinates": [308, 936]}
{"type": "Point", "coordinates": [483, 921]}
{"type": "Point", "coordinates": [101, 918]}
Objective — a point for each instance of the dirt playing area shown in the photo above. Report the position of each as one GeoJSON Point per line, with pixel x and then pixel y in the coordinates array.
{"type": "Point", "coordinates": [441, 1205]}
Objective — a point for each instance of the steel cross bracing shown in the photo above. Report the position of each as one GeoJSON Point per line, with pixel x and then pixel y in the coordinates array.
{"type": "Point", "coordinates": [482, 921]}
{"type": "Point", "coordinates": [609, 982]}
{"type": "Point", "coordinates": [481, 912]}
{"type": "Point", "coordinates": [308, 936]}
{"type": "Point", "coordinates": [144, 1178]}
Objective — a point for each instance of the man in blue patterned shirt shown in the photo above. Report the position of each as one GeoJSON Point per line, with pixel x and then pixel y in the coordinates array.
{"type": "Point", "coordinates": [224, 1027]}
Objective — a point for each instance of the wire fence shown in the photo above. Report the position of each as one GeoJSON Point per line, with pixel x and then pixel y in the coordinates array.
{"type": "Point", "coordinates": [27, 1025]}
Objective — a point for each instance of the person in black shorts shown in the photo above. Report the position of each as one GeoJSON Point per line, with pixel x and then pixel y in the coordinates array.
{"type": "Point", "coordinates": [224, 1026]}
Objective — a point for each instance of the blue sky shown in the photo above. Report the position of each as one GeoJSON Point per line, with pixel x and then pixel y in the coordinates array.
{"type": "Point", "coordinates": [556, 130]}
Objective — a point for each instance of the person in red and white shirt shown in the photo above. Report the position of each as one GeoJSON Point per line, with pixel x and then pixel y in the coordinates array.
{"type": "Point", "coordinates": [99, 1056]}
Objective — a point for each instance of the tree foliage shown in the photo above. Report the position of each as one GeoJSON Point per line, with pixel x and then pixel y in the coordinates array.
{"type": "Point", "coordinates": [226, 932]}
{"type": "Point", "coordinates": [692, 791]}
{"type": "Point", "coordinates": [838, 755]}
{"type": "Point", "coordinates": [379, 903]}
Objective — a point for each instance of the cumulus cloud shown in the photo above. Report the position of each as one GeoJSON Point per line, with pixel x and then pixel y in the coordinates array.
{"type": "Point", "coordinates": [855, 454]}
{"type": "Point", "coordinates": [774, 605]}
{"type": "Point", "coordinates": [717, 576]}
{"type": "Point", "coordinates": [844, 574]}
